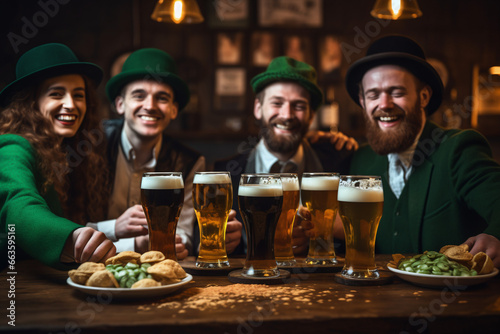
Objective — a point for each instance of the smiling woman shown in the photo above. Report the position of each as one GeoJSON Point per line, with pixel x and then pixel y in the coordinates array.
{"type": "Point", "coordinates": [52, 166]}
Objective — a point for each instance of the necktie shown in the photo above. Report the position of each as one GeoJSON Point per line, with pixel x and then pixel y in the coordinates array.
{"type": "Point", "coordinates": [284, 167]}
{"type": "Point", "coordinates": [396, 174]}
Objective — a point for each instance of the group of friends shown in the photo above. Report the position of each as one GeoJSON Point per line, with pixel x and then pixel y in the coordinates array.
{"type": "Point", "coordinates": [70, 182]}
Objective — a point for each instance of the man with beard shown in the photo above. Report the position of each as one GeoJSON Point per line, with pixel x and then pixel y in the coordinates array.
{"type": "Point", "coordinates": [440, 186]}
{"type": "Point", "coordinates": [287, 96]}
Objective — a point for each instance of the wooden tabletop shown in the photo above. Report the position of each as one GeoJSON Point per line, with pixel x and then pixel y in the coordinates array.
{"type": "Point", "coordinates": [309, 303]}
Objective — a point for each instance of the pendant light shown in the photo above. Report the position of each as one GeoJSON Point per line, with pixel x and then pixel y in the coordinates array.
{"type": "Point", "coordinates": [396, 9]}
{"type": "Point", "coordinates": [177, 11]}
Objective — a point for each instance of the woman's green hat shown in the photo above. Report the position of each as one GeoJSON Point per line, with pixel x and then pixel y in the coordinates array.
{"type": "Point", "coordinates": [47, 61]}
{"type": "Point", "coordinates": [149, 64]}
{"type": "Point", "coordinates": [288, 69]}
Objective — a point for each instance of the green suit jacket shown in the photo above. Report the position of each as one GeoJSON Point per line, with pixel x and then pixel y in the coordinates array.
{"type": "Point", "coordinates": [29, 222]}
{"type": "Point", "coordinates": [453, 192]}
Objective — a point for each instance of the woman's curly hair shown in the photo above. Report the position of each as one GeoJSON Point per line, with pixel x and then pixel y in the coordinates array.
{"type": "Point", "coordinates": [75, 167]}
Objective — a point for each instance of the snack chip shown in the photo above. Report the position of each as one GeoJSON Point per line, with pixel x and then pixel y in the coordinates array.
{"type": "Point", "coordinates": [459, 254]}
{"type": "Point", "coordinates": [167, 271]}
{"type": "Point", "coordinates": [102, 278]}
{"type": "Point", "coordinates": [124, 258]}
{"type": "Point", "coordinates": [145, 283]}
{"type": "Point", "coordinates": [482, 263]}
{"type": "Point", "coordinates": [152, 257]}
{"type": "Point", "coordinates": [84, 271]}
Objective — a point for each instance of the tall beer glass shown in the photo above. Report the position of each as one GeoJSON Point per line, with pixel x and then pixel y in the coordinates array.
{"type": "Point", "coordinates": [283, 237]}
{"type": "Point", "coordinates": [260, 198]}
{"type": "Point", "coordinates": [212, 201]}
{"type": "Point", "coordinates": [319, 196]}
{"type": "Point", "coordinates": [162, 197]}
{"type": "Point", "coordinates": [361, 202]}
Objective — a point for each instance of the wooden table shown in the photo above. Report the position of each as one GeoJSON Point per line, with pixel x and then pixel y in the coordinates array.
{"type": "Point", "coordinates": [313, 303]}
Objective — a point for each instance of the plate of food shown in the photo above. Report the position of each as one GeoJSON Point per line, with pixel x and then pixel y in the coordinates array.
{"type": "Point", "coordinates": [129, 275]}
{"type": "Point", "coordinates": [453, 268]}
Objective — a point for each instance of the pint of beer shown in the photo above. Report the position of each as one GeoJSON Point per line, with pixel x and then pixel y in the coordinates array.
{"type": "Point", "coordinates": [319, 196]}
{"type": "Point", "coordinates": [361, 202]}
{"type": "Point", "coordinates": [212, 201]}
{"type": "Point", "coordinates": [283, 237]}
{"type": "Point", "coordinates": [260, 198]}
{"type": "Point", "coordinates": [162, 197]}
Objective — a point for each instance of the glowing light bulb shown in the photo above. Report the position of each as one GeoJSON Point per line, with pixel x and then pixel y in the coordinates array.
{"type": "Point", "coordinates": [178, 12]}
{"type": "Point", "coordinates": [395, 9]}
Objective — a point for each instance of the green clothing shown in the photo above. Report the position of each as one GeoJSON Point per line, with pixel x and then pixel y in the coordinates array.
{"type": "Point", "coordinates": [452, 194]}
{"type": "Point", "coordinates": [39, 229]}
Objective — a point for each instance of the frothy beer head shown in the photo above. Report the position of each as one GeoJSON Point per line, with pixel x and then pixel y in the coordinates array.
{"type": "Point", "coordinates": [258, 190]}
{"type": "Point", "coordinates": [290, 183]}
{"type": "Point", "coordinates": [350, 194]}
{"type": "Point", "coordinates": [211, 179]}
{"type": "Point", "coordinates": [320, 183]}
{"type": "Point", "coordinates": [162, 182]}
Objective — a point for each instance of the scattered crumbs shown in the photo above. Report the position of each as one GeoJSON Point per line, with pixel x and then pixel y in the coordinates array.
{"type": "Point", "coordinates": [443, 305]}
{"type": "Point", "coordinates": [182, 311]}
{"type": "Point", "coordinates": [329, 300]}
{"type": "Point", "coordinates": [320, 301]}
{"type": "Point", "coordinates": [462, 302]}
{"type": "Point", "coordinates": [341, 298]}
{"type": "Point", "coordinates": [349, 300]}
{"type": "Point", "coordinates": [348, 295]}
{"type": "Point", "coordinates": [144, 308]}
{"type": "Point", "coordinates": [353, 291]}
{"type": "Point", "coordinates": [368, 301]}
{"type": "Point", "coordinates": [332, 307]}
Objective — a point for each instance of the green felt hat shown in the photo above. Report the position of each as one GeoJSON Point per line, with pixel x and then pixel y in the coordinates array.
{"type": "Point", "coordinates": [149, 64]}
{"type": "Point", "coordinates": [288, 69]}
{"type": "Point", "coordinates": [47, 61]}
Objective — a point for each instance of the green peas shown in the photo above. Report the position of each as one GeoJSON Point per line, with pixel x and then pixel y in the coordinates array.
{"type": "Point", "coordinates": [130, 273]}
{"type": "Point", "coordinates": [434, 263]}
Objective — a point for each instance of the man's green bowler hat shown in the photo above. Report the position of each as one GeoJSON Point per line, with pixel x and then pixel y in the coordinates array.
{"type": "Point", "coordinates": [149, 64]}
{"type": "Point", "coordinates": [288, 69]}
{"type": "Point", "coordinates": [44, 62]}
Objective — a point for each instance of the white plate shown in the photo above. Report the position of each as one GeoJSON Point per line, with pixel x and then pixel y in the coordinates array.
{"type": "Point", "coordinates": [125, 293]}
{"type": "Point", "coordinates": [438, 281]}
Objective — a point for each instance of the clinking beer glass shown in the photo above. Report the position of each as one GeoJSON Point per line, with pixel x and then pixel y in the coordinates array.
{"type": "Point", "coordinates": [260, 198]}
{"type": "Point", "coordinates": [162, 197]}
{"type": "Point", "coordinates": [283, 251]}
{"type": "Point", "coordinates": [212, 201]}
{"type": "Point", "coordinates": [319, 196]}
{"type": "Point", "coordinates": [361, 202]}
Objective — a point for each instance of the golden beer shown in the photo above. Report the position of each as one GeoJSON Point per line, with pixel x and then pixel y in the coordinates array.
{"type": "Point", "coordinates": [162, 197]}
{"type": "Point", "coordinates": [283, 236]}
{"type": "Point", "coordinates": [260, 207]}
{"type": "Point", "coordinates": [212, 201]}
{"type": "Point", "coordinates": [360, 209]}
{"type": "Point", "coordinates": [319, 196]}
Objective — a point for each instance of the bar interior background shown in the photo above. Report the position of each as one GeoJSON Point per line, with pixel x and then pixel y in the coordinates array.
{"type": "Point", "coordinates": [462, 37]}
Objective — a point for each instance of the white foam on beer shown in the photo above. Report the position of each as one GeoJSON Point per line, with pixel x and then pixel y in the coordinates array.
{"type": "Point", "coordinates": [350, 194]}
{"type": "Point", "coordinates": [211, 179]}
{"type": "Point", "coordinates": [320, 183]}
{"type": "Point", "coordinates": [162, 182]}
{"type": "Point", "coordinates": [258, 190]}
{"type": "Point", "coordinates": [290, 184]}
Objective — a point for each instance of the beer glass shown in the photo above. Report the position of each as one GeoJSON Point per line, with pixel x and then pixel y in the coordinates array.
{"type": "Point", "coordinates": [260, 198]}
{"type": "Point", "coordinates": [319, 196]}
{"type": "Point", "coordinates": [162, 197]}
{"type": "Point", "coordinates": [212, 201]}
{"type": "Point", "coordinates": [283, 236]}
{"type": "Point", "coordinates": [361, 202]}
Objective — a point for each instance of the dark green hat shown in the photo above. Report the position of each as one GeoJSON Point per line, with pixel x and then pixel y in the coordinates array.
{"type": "Point", "coordinates": [149, 64]}
{"type": "Point", "coordinates": [47, 61]}
{"type": "Point", "coordinates": [288, 69]}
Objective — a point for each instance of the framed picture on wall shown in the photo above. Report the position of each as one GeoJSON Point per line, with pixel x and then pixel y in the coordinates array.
{"type": "Point", "coordinates": [228, 13]}
{"type": "Point", "coordinates": [329, 58]}
{"type": "Point", "coordinates": [263, 48]}
{"type": "Point", "coordinates": [299, 48]}
{"type": "Point", "coordinates": [229, 48]}
{"type": "Point", "coordinates": [293, 13]}
{"type": "Point", "coordinates": [230, 90]}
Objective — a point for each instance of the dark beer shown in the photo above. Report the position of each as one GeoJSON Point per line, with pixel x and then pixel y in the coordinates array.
{"type": "Point", "coordinates": [162, 197]}
{"type": "Point", "coordinates": [260, 206]}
